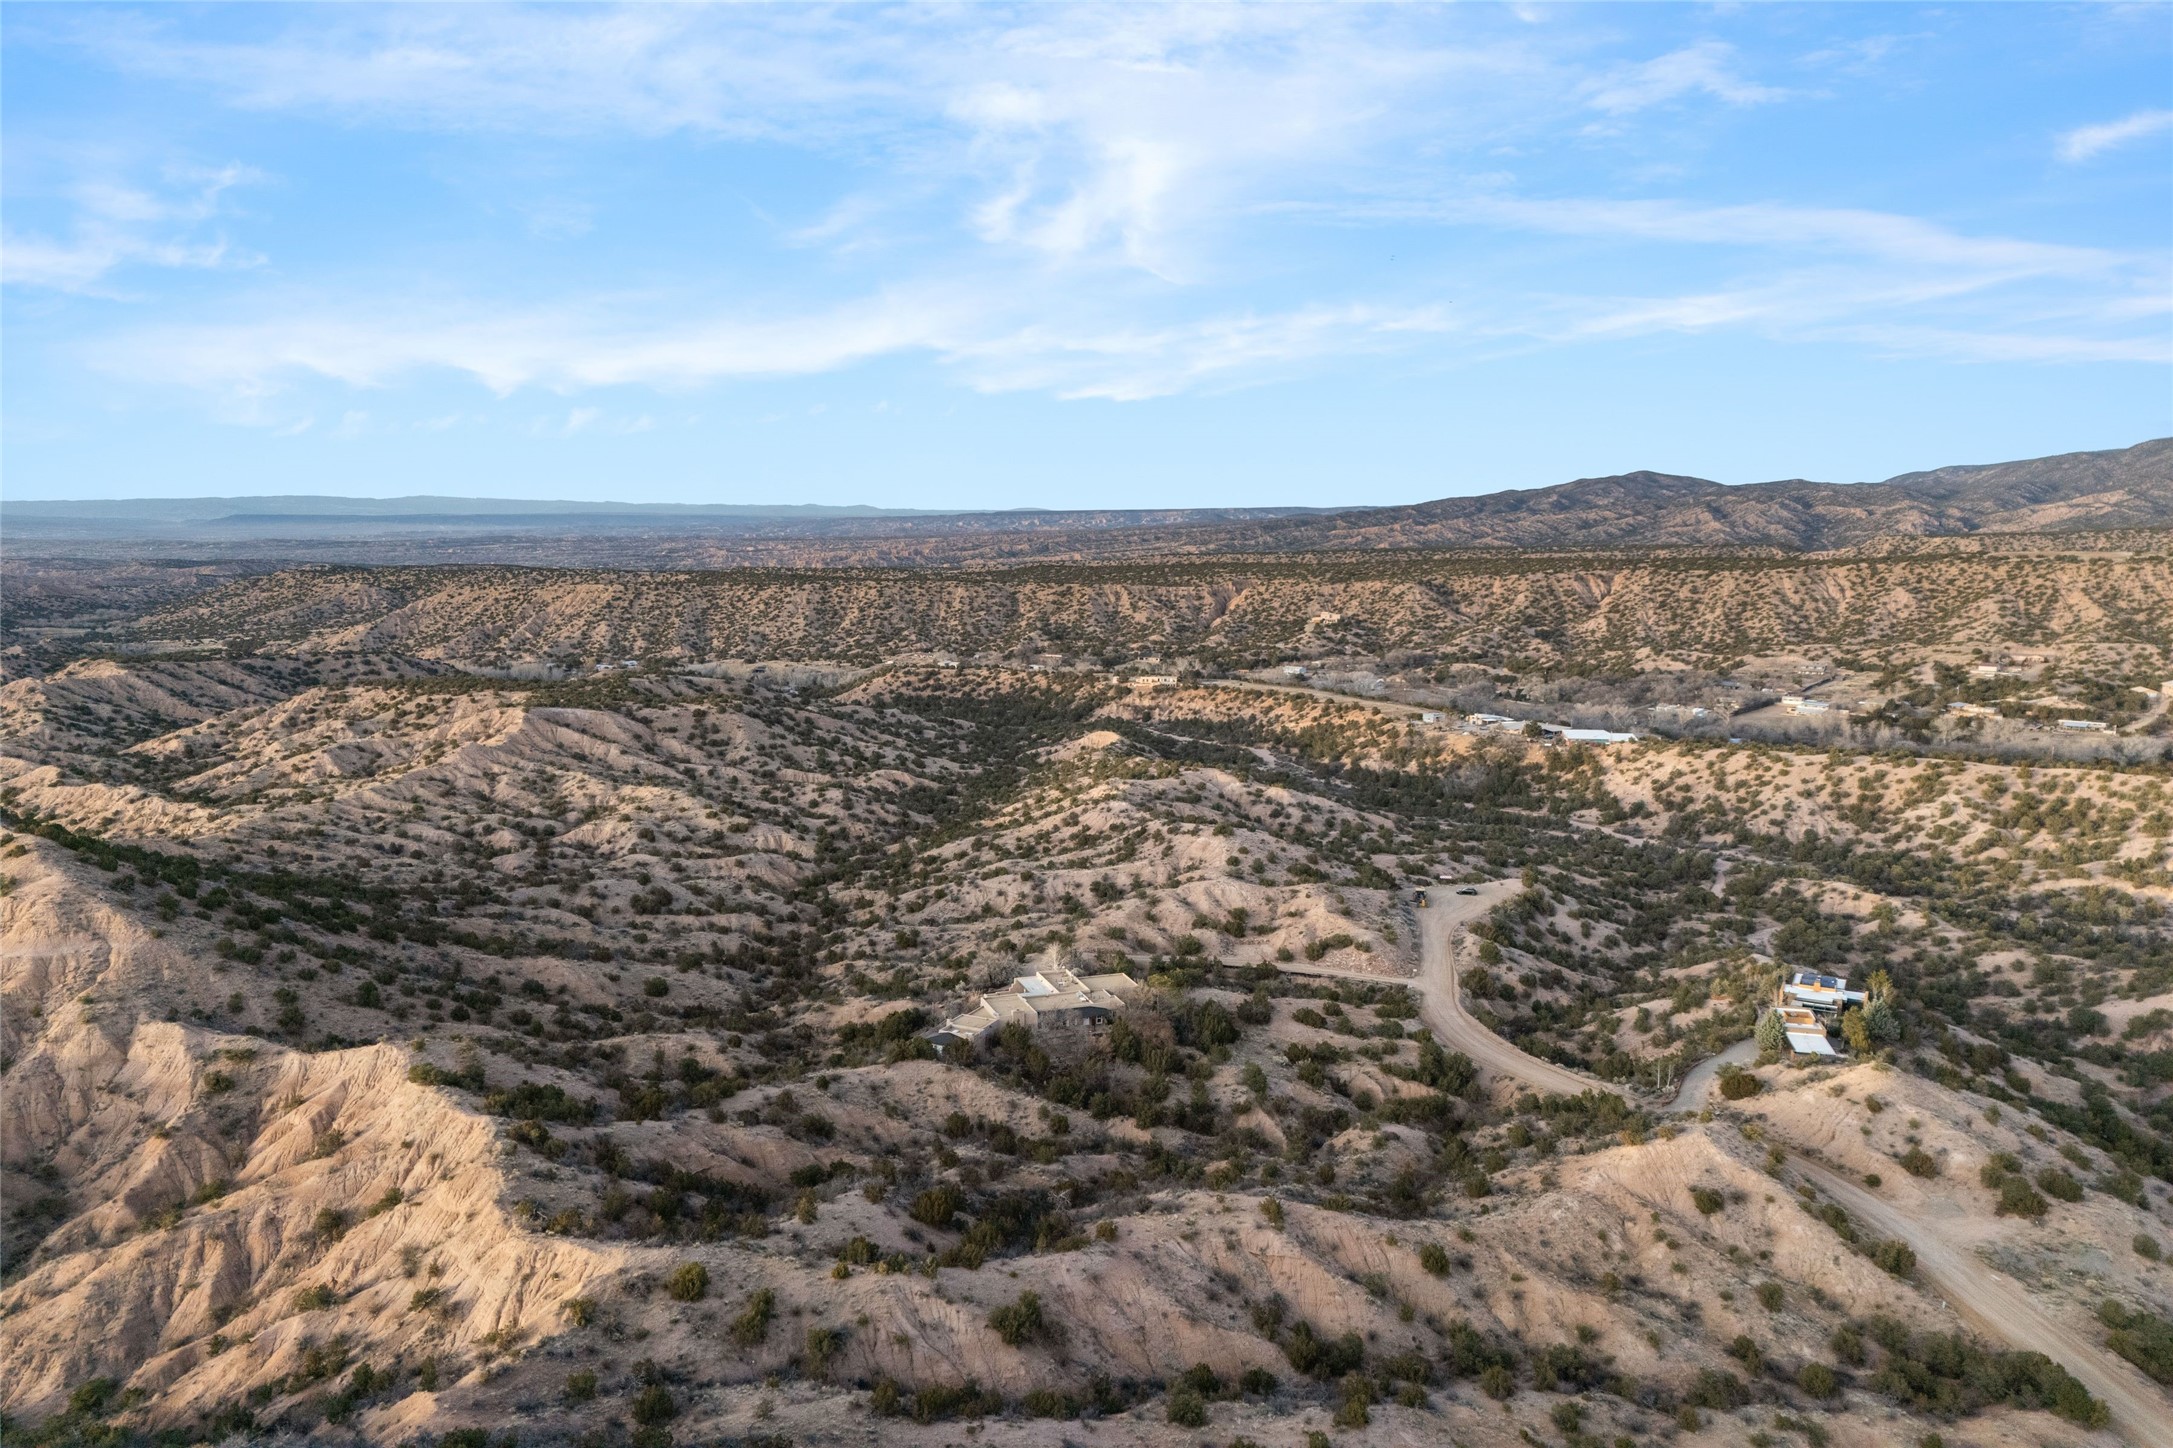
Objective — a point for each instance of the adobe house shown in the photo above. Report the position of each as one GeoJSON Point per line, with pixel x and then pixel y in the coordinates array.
{"type": "Point", "coordinates": [1051, 997]}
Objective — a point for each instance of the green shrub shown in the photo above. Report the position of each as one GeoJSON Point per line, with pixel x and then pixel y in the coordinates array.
{"type": "Point", "coordinates": [1896, 1257]}
{"type": "Point", "coordinates": [1769, 1296]}
{"type": "Point", "coordinates": [2056, 1182]}
{"type": "Point", "coordinates": [90, 1398]}
{"type": "Point", "coordinates": [1818, 1380]}
{"type": "Point", "coordinates": [1707, 1200]}
{"type": "Point", "coordinates": [1740, 1085]}
{"type": "Point", "coordinates": [1323, 1358]}
{"type": "Point", "coordinates": [1358, 1398]}
{"type": "Point", "coordinates": [1716, 1390]}
{"type": "Point", "coordinates": [2141, 1337]}
{"type": "Point", "coordinates": [1919, 1163]}
{"type": "Point", "coordinates": [1021, 1322]}
{"type": "Point", "coordinates": [1498, 1382]}
{"type": "Point", "coordinates": [654, 1406]}
{"type": "Point", "coordinates": [689, 1282]}
{"type": "Point", "coordinates": [1187, 1409]}
{"type": "Point", "coordinates": [2017, 1198]}
{"type": "Point", "coordinates": [580, 1387]}
{"type": "Point", "coordinates": [2146, 1247]}
{"type": "Point", "coordinates": [938, 1206]}
{"type": "Point", "coordinates": [1434, 1258]}
{"type": "Point", "coordinates": [927, 1405]}
{"type": "Point", "coordinates": [1950, 1375]}
{"type": "Point", "coordinates": [752, 1326]}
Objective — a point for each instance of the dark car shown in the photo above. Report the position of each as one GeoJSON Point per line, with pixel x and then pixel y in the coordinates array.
{"type": "Point", "coordinates": [1467, 890]}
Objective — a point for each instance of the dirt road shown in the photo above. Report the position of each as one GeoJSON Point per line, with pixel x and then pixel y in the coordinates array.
{"type": "Point", "coordinates": [1999, 1308]}
{"type": "Point", "coordinates": [1993, 1305]}
{"type": "Point", "coordinates": [1441, 1003]}
{"type": "Point", "coordinates": [1691, 1095]}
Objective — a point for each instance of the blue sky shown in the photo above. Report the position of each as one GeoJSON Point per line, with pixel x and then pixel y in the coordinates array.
{"type": "Point", "coordinates": [1046, 256]}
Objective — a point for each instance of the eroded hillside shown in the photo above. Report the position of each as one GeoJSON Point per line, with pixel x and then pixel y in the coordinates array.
{"type": "Point", "coordinates": [2099, 607]}
{"type": "Point", "coordinates": [393, 1050]}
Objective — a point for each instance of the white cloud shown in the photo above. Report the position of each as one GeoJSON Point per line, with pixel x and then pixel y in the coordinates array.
{"type": "Point", "coordinates": [1066, 199]}
{"type": "Point", "coordinates": [2084, 142]}
{"type": "Point", "coordinates": [1779, 227]}
{"type": "Point", "coordinates": [1073, 133]}
{"type": "Point", "coordinates": [1131, 365]}
{"type": "Point", "coordinates": [117, 224]}
{"type": "Point", "coordinates": [1072, 355]}
{"type": "Point", "coordinates": [1706, 68]}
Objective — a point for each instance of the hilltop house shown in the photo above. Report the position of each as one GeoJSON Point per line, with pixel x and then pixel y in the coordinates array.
{"type": "Point", "coordinates": [1806, 1033]}
{"type": "Point", "coordinates": [1052, 997]}
{"type": "Point", "coordinates": [1822, 995]}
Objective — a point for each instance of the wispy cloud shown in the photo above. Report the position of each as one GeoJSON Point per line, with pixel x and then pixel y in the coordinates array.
{"type": "Point", "coordinates": [117, 224]}
{"type": "Point", "coordinates": [1781, 227]}
{"type": "Point", "coordinates": [2084, 142]}
{"type": "Point", "coordinates": [1091, 202]}
{"type": "Point", "coordinates": [1707, 68]}
{"type": "Point", "coordinates": [571, 351]}
{"type": "Point", "coordinates": [1074, 134]}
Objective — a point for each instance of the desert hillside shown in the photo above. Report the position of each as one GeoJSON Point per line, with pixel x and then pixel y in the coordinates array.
{"type": "Point", "coordinates": [394, 1048]}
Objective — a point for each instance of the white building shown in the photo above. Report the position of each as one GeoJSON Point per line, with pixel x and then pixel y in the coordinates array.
{"type": "Point", "coordinates": [2086, 726]}
{"type": "Point", "coordinates": [1592, 736]}
{"type": "Point", "coordinates": [1973, 711]}
{"type": "Point", "coordinates": [1153, 681]}
{"type": "Point", "coordinates": [1822, 995]}
{"type": "Point", "coordinates": [1054, 997]}
{"type": "Point", "coordinates": [1431, 716]}
{"type": "Point", "coordinates": [1293, 671]}
{"type": "Point", "coordinates": [1806, 1033]}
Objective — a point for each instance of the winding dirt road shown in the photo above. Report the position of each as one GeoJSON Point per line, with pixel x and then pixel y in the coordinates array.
{"type": "Point", "coordinates": [1441, 999]}
{"type": "Point", "coordinates": [1996, 1306]}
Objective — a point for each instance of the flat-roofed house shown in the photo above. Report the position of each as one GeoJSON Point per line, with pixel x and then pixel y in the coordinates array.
{"type": "Point", "coordinates": [1806, 1033]}
{"type": "Point", "coordinates": [1051, 997]}
{"type": "Point", "coordinates": [1823, 995]}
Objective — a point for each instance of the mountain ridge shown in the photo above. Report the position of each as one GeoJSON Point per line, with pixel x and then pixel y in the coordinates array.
{"type": "Point", "coordinates": [2107, 489]}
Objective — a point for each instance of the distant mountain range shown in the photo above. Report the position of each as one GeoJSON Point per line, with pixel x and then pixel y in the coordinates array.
{"type": "Point", "coordinates": [2124, 488]}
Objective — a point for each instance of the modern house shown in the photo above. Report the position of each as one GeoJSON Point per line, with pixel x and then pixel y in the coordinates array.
{"type": "Point", "coordinates": [1806, 1033]}
{"type": "Point", "coordinates": [1822, 995]}
{"type": "Point", "coordinates": [1053, 997]}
